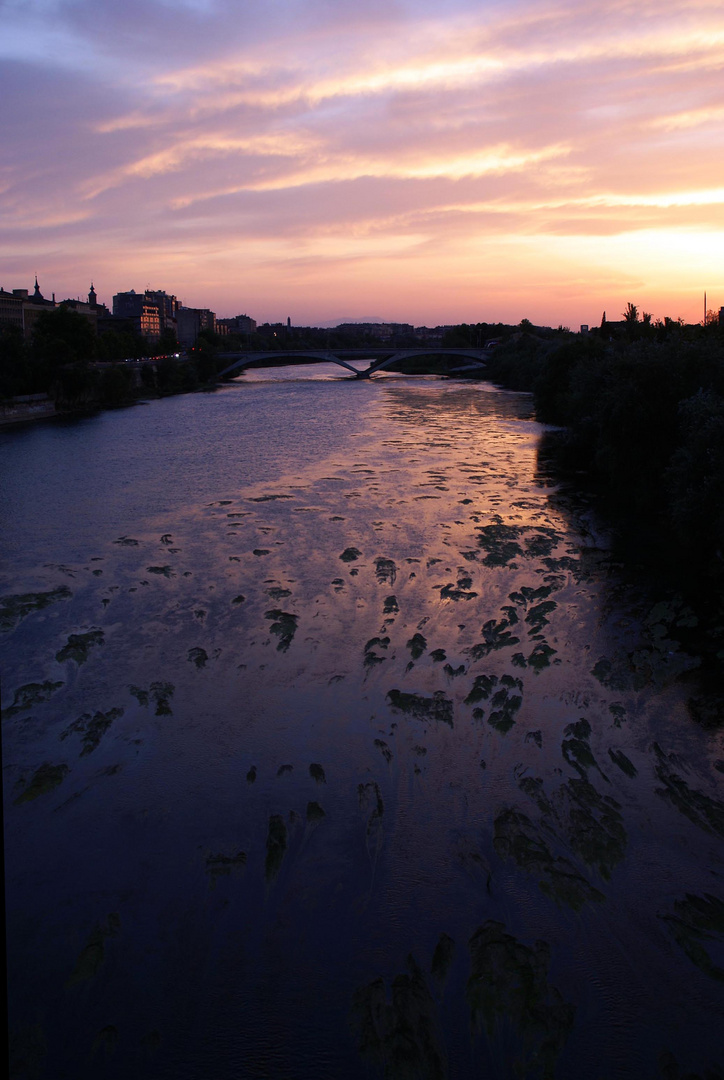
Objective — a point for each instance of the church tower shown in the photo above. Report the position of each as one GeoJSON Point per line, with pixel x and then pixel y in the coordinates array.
{"type": "Point", "coordinates": [92, 299]}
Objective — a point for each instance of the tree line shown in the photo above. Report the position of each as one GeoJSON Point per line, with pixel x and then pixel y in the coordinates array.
{"type": "Point", "coordinates": [61, 360]}
{"type": "Point", "coordinates": [640, 409]}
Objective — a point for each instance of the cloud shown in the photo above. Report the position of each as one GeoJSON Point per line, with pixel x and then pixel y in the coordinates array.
{"type": "Point", "coordinates": [223, 139]}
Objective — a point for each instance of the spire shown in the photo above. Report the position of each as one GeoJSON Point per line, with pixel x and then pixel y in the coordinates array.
{"type": "Point", "coordinates": [92, 296]}
{"type": "Point", "coordinates": [37, 292]}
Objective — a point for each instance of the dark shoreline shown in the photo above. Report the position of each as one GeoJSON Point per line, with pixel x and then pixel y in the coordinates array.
{"type": "Point", "coordinates": [639, 430]}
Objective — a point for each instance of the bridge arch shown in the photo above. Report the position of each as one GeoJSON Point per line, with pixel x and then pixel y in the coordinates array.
{"type": "Point", "coordinates": [246, 359]}
{"type": "Point", "coordinates": [380, 358]}
{"type": "Point", "coordinates": [475, 356]}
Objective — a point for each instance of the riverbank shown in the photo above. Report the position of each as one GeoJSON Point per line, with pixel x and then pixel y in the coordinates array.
{"type": "Point", "coordinates": [29, 408]}
{"type": "Point", "coordinates": [26, 408]}
{"type": "Point", "coordinates": [642, 427]}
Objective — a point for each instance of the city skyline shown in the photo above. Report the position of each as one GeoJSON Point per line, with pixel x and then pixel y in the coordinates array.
{"type": "Point", "coordinates": [320, 161]}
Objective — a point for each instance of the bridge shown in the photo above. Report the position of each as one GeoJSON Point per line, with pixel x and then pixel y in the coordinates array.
{"type": "Point", "coordinates": [379, 358]}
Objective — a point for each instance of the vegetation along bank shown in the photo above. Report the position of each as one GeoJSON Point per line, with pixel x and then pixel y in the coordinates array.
{"type": "Point", "coordinates": [640, 406]}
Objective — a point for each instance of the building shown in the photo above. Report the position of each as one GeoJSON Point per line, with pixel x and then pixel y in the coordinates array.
{"type": "Point", "coordinates": [385, 332]}
{"type": "Point", "coordinates": [33, 306]}
{"type": "Point", "coordinates": [101, 310]}
{"type": "Point", "coordinates": [431, 334]}
{"type": "Point", "coordinates": [240, 324]}
{"type": "Point", "coordinates": [190, 322]}
{"type": "Point", "coordinates": [151, 313]}
{"type": "Point", "coordinates": [139, 312]}
{"type": "Point", "coordinates": [11, 309]}
{"type": "Point", "coordinates": [167, 309]}
{"type": "Point", "coordinates": [90, 309]}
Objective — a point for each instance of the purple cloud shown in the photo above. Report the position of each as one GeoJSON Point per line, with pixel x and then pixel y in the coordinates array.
{"type": "Point", "coordinates": [281, 146]}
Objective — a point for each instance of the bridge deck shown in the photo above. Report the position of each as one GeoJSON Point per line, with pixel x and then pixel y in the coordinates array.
{"type": "Point", "coordinates": [380, 358]}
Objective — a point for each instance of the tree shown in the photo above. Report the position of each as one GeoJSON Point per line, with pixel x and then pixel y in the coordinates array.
{"type": "Point", "coordinates": [121, 345]}
{"type": "Point", "coordinates": [631, 314]}
{"type": "Point", "coordinates": [63, 336]}
{"type": "Point", "coordinates": [167, 343]}
{"type": "Point", "coordinates": [16, 373]}
{"type": "Point", "coordinates": [204, 360]}
{"type": "Point", "coordinates": [63, 344]}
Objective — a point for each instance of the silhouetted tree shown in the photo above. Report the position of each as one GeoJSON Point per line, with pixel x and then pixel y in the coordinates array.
{"type": "Point", "coordinates": [166, 344]}
{"type": "Point", "coordinates": [62, 348]}
{"type": "Point", "coordinates": [63, 336]}
{"type": "Point", "coordinates": [17, 375]}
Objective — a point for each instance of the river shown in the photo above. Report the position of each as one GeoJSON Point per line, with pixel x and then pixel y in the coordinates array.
{"type": "Point", "coordinates": [336, 744]}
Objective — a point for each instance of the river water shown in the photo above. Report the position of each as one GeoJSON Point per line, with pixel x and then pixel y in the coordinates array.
{"type": "Point", "coordinates": [335, 744]}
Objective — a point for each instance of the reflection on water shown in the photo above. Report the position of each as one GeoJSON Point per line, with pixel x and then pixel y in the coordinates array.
{"type": "Point", "coordinates": [335, 747]}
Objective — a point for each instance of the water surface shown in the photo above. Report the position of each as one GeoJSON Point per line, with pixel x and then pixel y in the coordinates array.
{"type": "Point", "coordinates": [335, 745]}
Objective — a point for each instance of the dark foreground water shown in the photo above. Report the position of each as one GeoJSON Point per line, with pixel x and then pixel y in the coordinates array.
{"type": "Point", "coordinates": [335, 746]}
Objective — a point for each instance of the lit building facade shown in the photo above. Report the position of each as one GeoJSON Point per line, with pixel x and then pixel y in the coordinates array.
{"type": "Point", "coordinates": [150, 312]}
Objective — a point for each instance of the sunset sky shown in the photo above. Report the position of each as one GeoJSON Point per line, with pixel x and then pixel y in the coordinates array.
{"type": "Point", "coordinates": [406, 159]}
